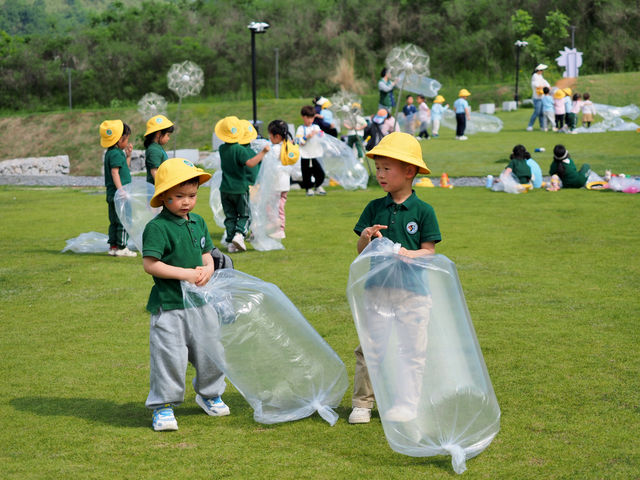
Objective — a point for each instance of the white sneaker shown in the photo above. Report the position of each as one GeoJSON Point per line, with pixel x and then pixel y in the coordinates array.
{"type": "Point", "coordinates": [124, 252]}
{"type": "Point", "coordinates": [529, 129]}
{"type": "Point", "coordinates": [309, 192]}
{"type": "Point", "coordinates": [400, 414]}
{"type": "Point", "coordinates": [463, 137]}
{"type": "Point", "coordinates": [231, 248]}
{"type": "Point", "coordinates": [279, 235]}
{"type": "Point", "coordinates": [213, 406]}
{"type": "Point", "coordinates": [112, 251]}
{"type": "Point", "coordinates": [163, 419]}
{"type": "Point", "coordinates": [238, 241]}
{"type": "Point", "coordinates": [320, 191]}
{"type": "Point", "coordinates": [360, 415]}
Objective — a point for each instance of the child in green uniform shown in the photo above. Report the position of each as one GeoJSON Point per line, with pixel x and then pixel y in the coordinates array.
{"type": "Point", "coordinates": [114, 136]}
{"type": "Point", "coordinates": [563, 166]}
{"type": "Point", "coordinates": [518, 164]}
{"type": "Point", "coordinates": [177, 246]}
{"type": "Point", "coordinates": [234, 188]}
{"type": "Point", "coordinates": [248, 135]}
{"type": "Point", "coordinates": [403, 218]}
{"type": "Point", "coordinates": [159, 130]}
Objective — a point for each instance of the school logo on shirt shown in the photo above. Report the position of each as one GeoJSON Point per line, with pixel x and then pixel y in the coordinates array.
{"type": "Point", "coordinates": [202, 242]}
{"type": "Point", "coordinates": [412, 228]}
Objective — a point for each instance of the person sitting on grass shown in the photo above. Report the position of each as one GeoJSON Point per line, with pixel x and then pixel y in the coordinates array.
{"type": "Point", "coordinates": [403, 218]}
{"type": "Point", "coordinates": [518, 165]}
{"type": "Point", "coordinates": [563, 166]}
{"type": "Point", "coordinates": [177, 246]}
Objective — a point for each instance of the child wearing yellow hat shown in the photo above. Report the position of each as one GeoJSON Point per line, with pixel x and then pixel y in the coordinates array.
{"type": "Point", "coordinates": [159, 130]}
{"type": "Point", "coordinates": [177, 246]}
{"type": "Point", "coordinates": [405, 219]}
{"type": "Point", "coordinates": [114, 136]}
{"type": "Point", "coordinates": [463, 113]}
{"type": "Point", "coordinates": [234, 188]}
{"type": "Point", "coordinates": [249, 134]}
{"type": "Point", "coordinates": [437, 110]}
{"type": "Point", "coordinates": [559, 108]}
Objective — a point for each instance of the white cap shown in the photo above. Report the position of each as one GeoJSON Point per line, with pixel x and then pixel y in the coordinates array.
{"type": "Point", "coordinates": [541, 66]}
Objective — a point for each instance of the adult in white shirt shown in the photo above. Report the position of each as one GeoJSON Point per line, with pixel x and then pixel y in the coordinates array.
{"type": "Point", "coordinates": [537, 84]}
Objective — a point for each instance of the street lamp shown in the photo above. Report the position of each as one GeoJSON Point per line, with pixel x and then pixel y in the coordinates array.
{"type": "Point", "coordinates": [255, 27]}
{"type": "Point", "coordinates": [519, 44]}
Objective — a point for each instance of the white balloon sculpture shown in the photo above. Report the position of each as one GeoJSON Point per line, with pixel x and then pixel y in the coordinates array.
{"type": "Point", "coordinates": [152, 104]}
{"type": "Point", "coordinates": [185, 79]}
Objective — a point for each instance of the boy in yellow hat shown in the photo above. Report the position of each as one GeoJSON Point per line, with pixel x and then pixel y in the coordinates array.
{"type": "Point", "coordinates": [114, 136]}
{"type": "Point", "coordinates": [403, 218]}
{"type": "Point", "coordinates": [234, 188]}
{"type": "Point", "coordinates": [159, 130]}
{"type": "Point", "coordinates": [177, 246]}
{"type": "Point", "coordinates": [463, 113]}
{"type": "Point", "coordinates": [437, 110]}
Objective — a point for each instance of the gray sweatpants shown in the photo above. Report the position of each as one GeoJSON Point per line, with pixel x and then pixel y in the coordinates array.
{"type": "Point", "coordinates": [177, 337]}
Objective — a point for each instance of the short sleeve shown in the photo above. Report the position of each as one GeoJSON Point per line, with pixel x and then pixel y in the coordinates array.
{"type": "Point", "coordinates": [153, 241]}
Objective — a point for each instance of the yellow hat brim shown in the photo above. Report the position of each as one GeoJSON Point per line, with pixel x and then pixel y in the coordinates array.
{"type": "Point", "coordinates": [172, 172]}
{"type": "Point", "coordinates": [153, 126]}
{"type": "Point", "coordinates": [400, 146]}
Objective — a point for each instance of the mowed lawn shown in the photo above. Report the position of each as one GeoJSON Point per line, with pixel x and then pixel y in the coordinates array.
{"type": "Point", "coordinates": [551, 281]}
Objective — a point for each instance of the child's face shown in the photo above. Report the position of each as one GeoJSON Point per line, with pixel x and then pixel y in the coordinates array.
{"type": "Point", "coordinates": [409, 100]}
{"type": "Point", "coordinates": [123, 142]}
{"type": "Point", "coordinates": [275, 138]}
{"type": "Point", "coordinates": [163, 139]}
{"type": "Point", "coordinates": [308, 121]}
{"type": "Point", "coordinates": [420, 100]}
{"type": "Point", "coordinates": [393, 175]}
{"type": "Point", "coordinates": [181, 199]}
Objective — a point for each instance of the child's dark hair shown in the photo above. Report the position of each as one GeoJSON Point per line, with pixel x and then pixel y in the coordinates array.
{"type": "Point", "coordinates": [308, 111]}
{"type": "Point", "coordinates": [280, 127]}
{"type": "Point", "coordinates": [559, 154]}
{"type": "Point", "coordinates": [576, 96]}
{"type": "Point", "coordinates": [126, 129]}
{"type": "Point", "coordinates": [149, 139]}
{"type": "Point", "coordinates": [407, 97]}
{"type": "Point", "coordinates": [519, 151]}
{"type": "Point", "coordinates": [383, 72]}
{"type": "Point", "coordinates": [586, 96]}
{"type": "Point", "coordinates": [422, 97]}
{"type": "Point", "coordinates": [545, 90]}
{"type": "Point", "coordinates": [191, 181]}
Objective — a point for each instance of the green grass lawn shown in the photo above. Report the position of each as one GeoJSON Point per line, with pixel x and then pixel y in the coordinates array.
{"type": "Point", "coordinates": [551, 281]}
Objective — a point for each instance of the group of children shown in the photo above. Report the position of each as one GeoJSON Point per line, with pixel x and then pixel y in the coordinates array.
{"type": "Point", "coordinates": [561, 108]}
{"type": "Point", "coordinates": [418, 119]}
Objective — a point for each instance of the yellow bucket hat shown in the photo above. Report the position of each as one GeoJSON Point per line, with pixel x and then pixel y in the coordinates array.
{"type": "Point", "coordinates": [403, 147]}
{"type": "Point", "coordinates": [157, 123]}
{"type": "Point", "coordinates": [568, 91]}
{"type": "Point", "coordinates": [559, 93]}
{"type": "Point", "coordinates": [228, 129]}
{"type": "Point", "coordinates": [110, 132]}
{"type": "Point", "coordinates": [438, 99]}
{"type": "Point", "coordinates": [464, 93]}
{"type": "Point", "coordinates": [248, 133]}
{"type": "Point", "coordinates": [173, 172]}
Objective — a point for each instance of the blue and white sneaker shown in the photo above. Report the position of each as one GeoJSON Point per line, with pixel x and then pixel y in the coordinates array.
{"type": "Point", "coordinates": [163, 419]}
{"type": "Point", "coordinates": [213, 406]}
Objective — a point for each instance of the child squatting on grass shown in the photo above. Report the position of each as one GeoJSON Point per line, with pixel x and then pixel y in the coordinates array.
{"type": "Point", "coordinates": [114, 136]}
{"type": "Point", "coordinates": [177, 246]}
{"type": "Point", "coordinates": [403, 218]}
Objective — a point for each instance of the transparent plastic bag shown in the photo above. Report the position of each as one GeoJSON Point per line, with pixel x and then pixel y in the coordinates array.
{"type": "Point", "coordinates": [508, 183]}
{"type": "Point", "coordinates": [340, 163]}
{"type": "Point", "coordinates": [624, 184]}
{"type": "Point", "coordinates": [419, 84]}
{"type": "Point", "coordinates": [134, 211]}
{"type": "Point", "coordinates": [479, 122]}
{"type": "Point", "coordinates": [431, 384]}
{"type": "Point", "coordinates": [91, 242]}
{"type": "Point", "coordinates": [264, 203]}
{"type": "Point", "coordinates": [267, 349]}
{"type": "Point", "coordinates": [214, 199]}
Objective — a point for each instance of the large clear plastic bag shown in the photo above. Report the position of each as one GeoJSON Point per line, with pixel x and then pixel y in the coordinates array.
{"type": "Point", "coordinates": [419, 84]}
{"type": "Point", "coordinates": [215, 201]}
{"type": "Point", "coordinates": [267, 349]}
{"type": "Point", "coordinates": [508, 183]}
{"type": "Point", "coordinates": [430, 381]}
{"type": "Point", "coordinates": [340, 163]}
{"type": "Point", "coordinates": [90, 242]}
{"type": "Point", "coordinates": [264, 202]}
{"type": "Point", "coordinates": [479, 122]}
{"type": "Point", "coordinates": [624, 184]}
{"type": "Point", "coordinates": [133, 209]}
{"type": "Point", "coordinates": [609, 111]}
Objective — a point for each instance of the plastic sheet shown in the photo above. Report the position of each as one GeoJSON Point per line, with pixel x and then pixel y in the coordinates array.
{"type": "Point", "coordinates": [91, 242]}
{"type": "Point", "coordinates": [508, 183]}
{"type": "Point", "coordinates": [432, 364]}
{"type": "Point", "coordinates": [624, 184]}
{"type": "Point", "coordinates": [267, 349]}
{"type": "Point", "coordinates": [264, 202]}
{"type": "Point", "coordinates": [212, 161]}
{"type": "Point", "coordinates": [419, 84]}
{"type": "Point", "coordinates": [214, 199]}
{"type": "Point", "coordinates": [479, 122]}
{"type": "Point", "coordinates": [133, 209]}
{"type": "Point", "coordinates": [340, 163]}
{"type": "Point", "coordinates": [609, 111]}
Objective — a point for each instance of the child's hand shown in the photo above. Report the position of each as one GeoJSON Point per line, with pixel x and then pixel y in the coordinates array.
{"type": "Point", "coordinates": [266, 148]}
{"type": "Point", "coordinates": [204, 275]}
{"type": "Point", "coordinates": [373, 232]}
{"type": "Point", "coordinates": [128, 149]}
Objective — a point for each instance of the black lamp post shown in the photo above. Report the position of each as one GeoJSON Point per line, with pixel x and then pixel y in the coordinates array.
{"type": "Point", "coordinates": [255, 27]}
{"type": "Point", "coordinates": [519, 44]}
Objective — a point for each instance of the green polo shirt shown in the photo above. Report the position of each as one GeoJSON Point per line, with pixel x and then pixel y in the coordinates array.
{"type": "Point", "coordinates": [571, 177]}
{"type": "Point", "coordinates": [178, 242]}
{"type": "Point", "coordinates": [233, 159]}
{"type": "Point", "coordinates": [154, 155]}
{"type": "Point", "coordinates": [410, 224]}
{"type": "Point", "coordinates": [115, 158]}
{"type": "Point", "coordinates": [520, 169]}
{"type": "Point", "coordinates": [252, 172]}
